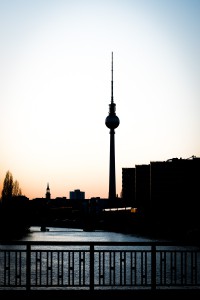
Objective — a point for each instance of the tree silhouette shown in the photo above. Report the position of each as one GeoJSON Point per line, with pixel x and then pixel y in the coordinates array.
{"type": "Point", "coordinates": [16, 189]}
{"type": "Point", "coordinates": [10, 188]}
{"type": "Point", "coordinates": [7, 190]}
{"type": "Point", "coordinates": [14, 208]}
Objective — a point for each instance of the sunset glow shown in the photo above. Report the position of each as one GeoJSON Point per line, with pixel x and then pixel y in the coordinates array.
{"type": "Point", "coordinates": [55, 71]}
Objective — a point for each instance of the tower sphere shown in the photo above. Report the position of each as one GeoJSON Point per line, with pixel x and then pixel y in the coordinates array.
{"type": "Point", "coordinates": [112, 122]}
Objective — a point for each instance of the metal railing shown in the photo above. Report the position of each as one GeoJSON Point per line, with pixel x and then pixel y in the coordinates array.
{"type": "Point", "coordinates": [98, 265]}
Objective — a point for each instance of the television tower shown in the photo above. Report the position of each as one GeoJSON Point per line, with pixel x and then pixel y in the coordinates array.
{"type": "Point", "coordinates": [112, 122]}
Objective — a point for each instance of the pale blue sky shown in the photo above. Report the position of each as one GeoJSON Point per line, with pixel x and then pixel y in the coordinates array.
{"type": "Point", "coordinates": [55, 73]}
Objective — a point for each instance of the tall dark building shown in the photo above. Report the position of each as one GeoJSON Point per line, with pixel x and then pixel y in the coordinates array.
{"type": "Point", "coordinates": [112, 122]}
{"type": "Point", "coordinates": [128, 187]}
{"type": "Point", "coordinates": [142, 188]}
{"type": "Point", "coordinates": [175, 192]}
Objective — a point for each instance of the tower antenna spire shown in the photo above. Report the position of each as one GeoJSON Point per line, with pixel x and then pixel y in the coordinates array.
{"type": "Point", "coordinates": [112, 98]}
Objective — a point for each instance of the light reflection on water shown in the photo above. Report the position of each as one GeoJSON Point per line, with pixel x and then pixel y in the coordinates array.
{"type": "Point", "coordinates": [74, 234]}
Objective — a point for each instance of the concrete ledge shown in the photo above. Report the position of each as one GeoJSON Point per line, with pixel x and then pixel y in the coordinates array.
{"type": "Point", "coordinates": [99, 294]}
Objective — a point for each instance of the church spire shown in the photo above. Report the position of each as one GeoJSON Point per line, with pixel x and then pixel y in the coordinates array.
{"type": "Point", "coordinates": [48, 194]}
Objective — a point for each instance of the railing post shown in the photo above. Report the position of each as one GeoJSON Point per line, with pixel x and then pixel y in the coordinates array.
{"type": "Point", "coordinates": [28, 267]}
{"type": "Point", "coordinates": [153, 267]}
{"type": "Point", "coordinates": [91, 267]}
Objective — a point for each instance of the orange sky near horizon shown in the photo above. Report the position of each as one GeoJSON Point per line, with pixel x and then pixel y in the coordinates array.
{"type": "Point", "coordinates": [55, 72]}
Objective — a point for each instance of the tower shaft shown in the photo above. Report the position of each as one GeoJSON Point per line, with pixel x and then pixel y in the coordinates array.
{"type": "Point", "coordinates": [112, 179]}
{"type": "Point", "coordinates": [112, 122]}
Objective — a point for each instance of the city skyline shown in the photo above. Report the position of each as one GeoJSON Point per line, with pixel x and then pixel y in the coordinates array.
{"type": "Point", "coordinates": [55, 90]}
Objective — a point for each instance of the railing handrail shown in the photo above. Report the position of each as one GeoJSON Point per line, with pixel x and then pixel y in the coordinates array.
{"type": "Point", "coordinates": [101, 243]}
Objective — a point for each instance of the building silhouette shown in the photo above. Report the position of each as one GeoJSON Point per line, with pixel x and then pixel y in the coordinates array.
{"type": "Point", "coordinates": [76, 195]}
{"type": "Point", "coordinates": [175, 193]}
{"type": "Point", "coordinates": [142, 189]}
{"type": "Point", "coordinates": [167, 194]}
{"type": "Point", "coordinates": [128, 187]}
{"type": "Point", "coordinates": [112, 122]}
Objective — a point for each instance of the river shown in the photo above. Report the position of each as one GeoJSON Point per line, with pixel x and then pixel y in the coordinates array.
{"type": "Point", "coordinates": [74, 234]}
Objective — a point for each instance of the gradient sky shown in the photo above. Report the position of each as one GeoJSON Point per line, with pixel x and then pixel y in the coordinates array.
{"type": "Point", "coordinates": [55, 73]}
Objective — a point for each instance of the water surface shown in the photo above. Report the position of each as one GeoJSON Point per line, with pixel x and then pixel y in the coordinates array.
{"type": "Point", "coordinates": [74, 234]}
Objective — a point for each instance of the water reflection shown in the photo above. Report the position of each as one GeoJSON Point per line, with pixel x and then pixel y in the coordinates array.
{"type": "Point", "coordinates": [74, 234]}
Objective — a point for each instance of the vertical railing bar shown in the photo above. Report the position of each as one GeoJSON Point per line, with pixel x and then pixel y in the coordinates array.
{"type": "Point", "coordinates": [142, 257]}
{"type": "Point", "coordinates": [124, 267]}
{"type": "Point", "coordinates": [172, 279]}
{"type": "Point", "coordinates": [80, 269]}
{"type": "Point", "coordinates": [175, 267]}
{"type": "Point", "coordinates": [104, 278]}
{"type": "Point", "coordinates": [109, 257]}
{"type": "Point", "coordinates": [47, 268]}
{"type": "Point", "coordinates": [40, 264]}
{"type": "Point", "coordinates": [37, 275]}
{"type": "Point", "coordinates": [153, 267]}
{"type": "Point", "coordinates": [103, 266]}
{"type": "Point", "coordinates": [131, 268]}
{"type": "Point", "coordinates": [9, 267]}
{"type": "Point", "coordinates": [69, 264]}
{"type": "Point", "coordinates": [112, 265]}
{"type": "Point", "coordinates": [145, 267]}
{"type": "Point", "coordinates": [36, 268]}
{"type": "Point", "coordinates": [114, 268]}
{"type": "Point", "coordinates": [20, 267]}
{"type": "Point", "coordinates": [186, 277]}
{"type": "Point", "coordinates": [84, 267]}
{"type": "Point", "coordinates": [15, 257]}
{"type": "Point", "coordinates": [165, 267]}
{"type": "Point", "coordinates": [99, 265]}
{"type": "Point", "coordinates": [161, 275]}
{"type": "Point", "coordinates": [62, 269]}
{"type": "Point", "coordinates": [181, 261]}
{"type": "Point", "coordinates": [5, 261]}
{"type": "Point", "coordinates": [195, 256]}
{"type": "Point", "coordinates": [45, 257]}
{"type": "Point", "coordinates": [51, 259]}
{"type": "Point", "coordinates": [192, 274]}
{"type": "Point", "coordinates": [171, 266]}
{"type": "Point", "coordinates": [60, 264]}
{"type": "Point", "coordinates": [73, 269]}
{"type": "Point", "coordinates": [120, 268]}
{"type": "Point", "coordinates": [28, 267]}
{"type": "Point", "coordinates": [160, 265]}
{"type": "Point", "coordinates": [135, 267]}
{"type": "Point", "coordinates": [58, 267]}
{"type": "Point", "coordinates": [91, 267]}
{"type": "Point", "coordinates": [69, 275]}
